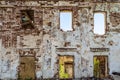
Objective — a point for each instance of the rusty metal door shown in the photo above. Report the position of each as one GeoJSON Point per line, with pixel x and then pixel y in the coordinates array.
{"type": "Point", "coordinates": [27, 68]}
{"type": "Point", "coordinates": [100, 66]}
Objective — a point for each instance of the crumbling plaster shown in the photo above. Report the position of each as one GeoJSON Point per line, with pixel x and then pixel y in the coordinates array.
{"type": "Point", "coordinates": [47, 37]}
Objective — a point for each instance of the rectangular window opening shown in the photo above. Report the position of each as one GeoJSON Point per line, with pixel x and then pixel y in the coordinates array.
{"type": "Point", "coordinates": [66, 67]}
{"type": "Point", "coordinates": [66, 20]}
{"type": "Point", "coordinates": [27, 19]}
{"type": "Point", "coordinates": [99, 23]}
{"type": "Point", "coordinates": [100, 66]}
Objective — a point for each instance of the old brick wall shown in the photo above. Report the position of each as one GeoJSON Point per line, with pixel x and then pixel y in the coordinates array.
{"type": "Point", "coordinates": [46, 41]}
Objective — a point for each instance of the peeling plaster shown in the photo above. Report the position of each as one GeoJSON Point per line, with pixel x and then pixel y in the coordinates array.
{"type": "Point", "coordinates": [47, 37]}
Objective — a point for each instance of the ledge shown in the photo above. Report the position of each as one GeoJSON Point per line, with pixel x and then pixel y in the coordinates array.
{"type": "Point", "coordinates": [66, 49]}
{"type": "Point", "coordinates": [7, 6]}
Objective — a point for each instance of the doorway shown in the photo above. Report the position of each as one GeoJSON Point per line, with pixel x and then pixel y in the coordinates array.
{"type": "Point", "coordinates": [66, 67]}
{"type": "Point", "coordinates": [100, 66]}
{"type": "Point", "coordinates": [27, 68]}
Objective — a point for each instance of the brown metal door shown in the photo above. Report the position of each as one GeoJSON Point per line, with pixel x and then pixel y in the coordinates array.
{"type": "Point", "coordinates": [27, 68]}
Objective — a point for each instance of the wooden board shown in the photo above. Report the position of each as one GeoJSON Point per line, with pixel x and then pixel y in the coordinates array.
{"type": "Point", "coordinates": [27, 68]}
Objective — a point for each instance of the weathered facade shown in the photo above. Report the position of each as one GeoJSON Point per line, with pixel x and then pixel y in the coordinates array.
{"type": "Point", "coordinates": [39, 46]}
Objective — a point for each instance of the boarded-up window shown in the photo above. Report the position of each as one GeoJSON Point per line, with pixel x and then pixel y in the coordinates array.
{"type": "Point", "coordinates": [27, 68]}
{"type": "Point", "coordinates": [27, 19]}
{"type": "Point", "coordinates": [66, 21]}
{"type": "Point", "coordinates": [99, 23]}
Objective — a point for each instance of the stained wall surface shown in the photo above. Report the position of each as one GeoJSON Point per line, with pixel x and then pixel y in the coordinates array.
{"type": "Point", "coordinates": [46, 41]}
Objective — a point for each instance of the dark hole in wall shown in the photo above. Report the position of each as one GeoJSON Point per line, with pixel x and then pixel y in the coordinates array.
{"type": "Point", "coordinates": [27, 19]}
{"type": "Point", "coordinates": [116, 73]}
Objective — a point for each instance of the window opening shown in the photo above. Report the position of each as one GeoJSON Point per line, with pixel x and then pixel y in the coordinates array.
{"type": "Point", "coordinates": [66, 21]}
{"type": "Point", "coordinates": [66, 67]}
{"type": "Point", "coordinates": [99, 23]}
{"type": "Point", "coordinates": [27, 19]}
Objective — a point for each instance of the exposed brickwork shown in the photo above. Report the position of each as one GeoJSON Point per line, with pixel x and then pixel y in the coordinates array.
{"type": "Point", "coordinates": [46, 42]}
